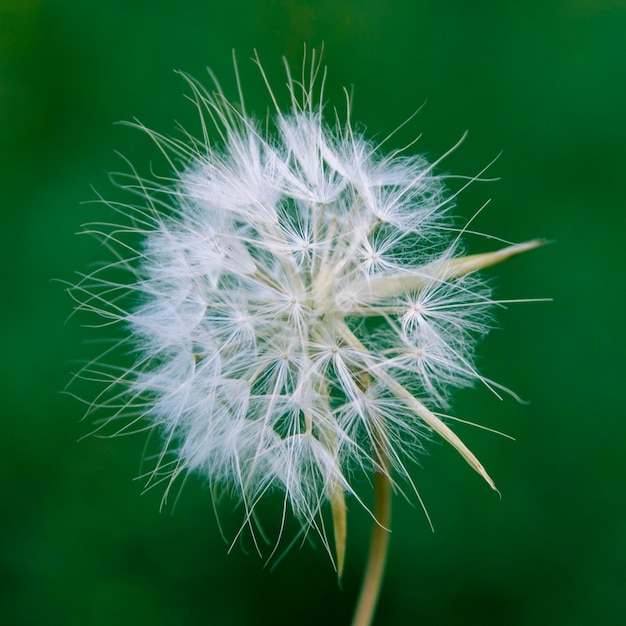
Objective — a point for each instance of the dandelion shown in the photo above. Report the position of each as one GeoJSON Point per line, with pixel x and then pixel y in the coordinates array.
{"type": "Point", "coordinates": [299, 308]}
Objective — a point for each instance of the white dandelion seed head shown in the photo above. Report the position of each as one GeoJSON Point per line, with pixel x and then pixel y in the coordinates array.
{"type": "Point", "coordinates": [298, 311]}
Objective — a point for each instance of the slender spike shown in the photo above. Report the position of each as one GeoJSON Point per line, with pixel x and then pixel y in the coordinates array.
{"type": "Point", "coordinates": [439, 427]}
{"type": "Point", "coordinates": [339, 510]}
{"type": "Point", "coordinates": [442, 270]}
{"type": "Point", "coordinates": [468, 264]}
{"type": "Point", "coordinates": [426, 415]}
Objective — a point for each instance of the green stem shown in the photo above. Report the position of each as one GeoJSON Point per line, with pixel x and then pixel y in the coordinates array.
{"type": "Point", "coordinates": [379, 541]}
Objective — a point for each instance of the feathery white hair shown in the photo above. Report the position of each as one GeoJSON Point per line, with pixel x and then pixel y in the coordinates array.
{"type": "Point", "coordinates": [299, 305]}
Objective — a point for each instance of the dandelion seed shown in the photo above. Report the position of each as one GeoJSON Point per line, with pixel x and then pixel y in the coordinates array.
{"type": "Point", "coordinates": [301, 309]}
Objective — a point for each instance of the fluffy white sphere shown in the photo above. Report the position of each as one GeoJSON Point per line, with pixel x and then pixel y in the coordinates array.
{"type": "Point", "coordinates": [301, 307]}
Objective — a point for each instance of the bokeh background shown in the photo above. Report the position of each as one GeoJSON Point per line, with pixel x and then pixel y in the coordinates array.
{"type": "Point", "coordinates": [542, 83]}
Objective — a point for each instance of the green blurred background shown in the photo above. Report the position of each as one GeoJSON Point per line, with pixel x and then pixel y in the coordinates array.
{"type": "Point", "coordinates": [543, 82]}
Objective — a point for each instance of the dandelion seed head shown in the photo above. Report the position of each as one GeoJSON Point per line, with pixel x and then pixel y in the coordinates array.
{"type": "Point", "coordinates": [298, 309]}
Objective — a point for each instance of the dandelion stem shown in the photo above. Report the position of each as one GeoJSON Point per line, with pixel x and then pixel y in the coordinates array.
{"type": "Point", "coordinates": [379, 540]}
